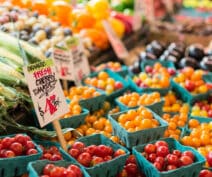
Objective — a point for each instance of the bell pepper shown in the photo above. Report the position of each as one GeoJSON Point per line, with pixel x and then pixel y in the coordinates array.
{"type": "Point", "coordinates": [99, 8]}
{"type": "Point", "coordinates": [117, 26]}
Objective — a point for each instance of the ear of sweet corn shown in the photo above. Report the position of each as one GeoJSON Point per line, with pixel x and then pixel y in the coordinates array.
{"type": "Point", "coordinates": [10, 43]}
{"type": "Point", "coordinates": [10, 76]}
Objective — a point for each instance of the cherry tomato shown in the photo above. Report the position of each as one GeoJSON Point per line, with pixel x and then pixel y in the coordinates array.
{"type": "Point", "coordinates": [47, 169]}
{"type": "Point", "coordinates": [188, 153]}
{"type": "Point", "coordinates": [150, 148]}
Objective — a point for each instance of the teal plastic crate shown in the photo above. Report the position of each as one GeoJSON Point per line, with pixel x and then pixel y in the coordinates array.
{"type": "Point", "coordinates": [134, 87]}
{"type": "Point", "coordinates": [110, 168]}
{"type": "Point", "coordinates": [167, 64]}
{"type": "Point", "coordinates": [123, 72]}
{"type": "Point", "coordinates": [131, 139]}
{"type": "Point", "coordinates": [186, 171]}
{"type": "Point", "coordinates": [48, 144]}
{"type": "Point", "coordinates": [208, 78]}
{"type": "Point", "coordinates": [156, 107]}
{"type": "Point", "coordinates": [204, 119]}
{"type": "Point", "coordinates": [95, 103]}
{"type": "Point", "coordinates": [71, 122]}
{"type": "Point", "coordinates": [116, 77]}
{"type": "Point", "coordinates": [186, 95]}
{"type": "Point", "coordinates": [35, 168]}
{"type": "Point", "coordinates": [16, 166]}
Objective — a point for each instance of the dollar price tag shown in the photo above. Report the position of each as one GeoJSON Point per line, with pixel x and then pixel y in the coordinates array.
{"type": "Point", "coordinates": [46, 92]}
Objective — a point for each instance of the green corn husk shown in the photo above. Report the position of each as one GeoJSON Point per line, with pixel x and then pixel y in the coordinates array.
{"type": "Point", "coordinates": [11, 56]}
{"type": "Point", "coordinates": [10, 76]}
{"type": "Point", "coordinates": [10, 63]}
{"type": "Point", "coordinates": [11, 43]}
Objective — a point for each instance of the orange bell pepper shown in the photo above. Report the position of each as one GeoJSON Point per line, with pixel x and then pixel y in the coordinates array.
{"type": "Point", "coordinates": [99, 38]}
{"type": "Point", "coordinates": [59, 11]}
{"type": "Point", "coordinates": [81, 19]}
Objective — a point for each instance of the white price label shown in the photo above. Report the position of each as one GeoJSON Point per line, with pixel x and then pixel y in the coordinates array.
{"type": "Point", "coordinates": [63, 63]}
{"type": "Point", "coordinates": [118, 46]}
{"type": "Point", "coordinates": [169, 5]}
{"type": "Point", "coordinates": [138, 12]}
{"type": "Point", "coordinates": [46, 92]}
{"type": "Point", "coordinates": [149, 10]}
{"type": "Point", "coordinates": [80, 61]}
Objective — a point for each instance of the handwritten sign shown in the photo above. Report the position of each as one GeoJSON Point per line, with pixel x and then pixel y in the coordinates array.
{"type": "Point", "coordinates": [169, 5]}
{"type": "Point", "coordinates": [63, 63]}
{"type": "Point", "coordinates": [137, 16]}
{"type": "Point", "coordinates": [149, 10]}
{"type": "Point", "coordinates": [46, 92]}
{"type": "Point", "coordinates": [80, 61]}
{"type": "Point", "coordinates": [118, 46]}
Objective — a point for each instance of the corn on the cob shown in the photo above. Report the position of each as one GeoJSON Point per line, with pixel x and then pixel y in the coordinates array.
{"type": "Point", "coordinates": [10, 76]}
{"type": "Point", "coordinates": [11, 56]}
{"type": "Point", "coordinates": [11, 44]}
{"type": "Point", "coordinates": [8, 92]}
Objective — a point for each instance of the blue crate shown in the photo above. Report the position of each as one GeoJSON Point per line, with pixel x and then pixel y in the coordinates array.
{"type": "Point", "coordinates": [167, 64]}
{"type": "Point", "coordinates": [35, 168]}
{"type": "Point", "coordinates": [116, 77]}
{"type": "Point", "coordinates": [107, 169]}
{"type": "Point", "coordinates": [49, 144]}
{"type": "Point", "coordinates": [134, 87]}
{"type": "Point", "coordinates": [138, 137]}
{"type": "Point", "coordinates": [71, 122]}
{"type": "Point", "coordinates": [16, 166]}
{"type": "Point", "coordinates": [156, 107]}
{"type": "Point", "coordinates": [186, 171]}
{"type": "Point", "coordinates": [186, 95]}
{"type": "Point", "coordinates": [95, 103]}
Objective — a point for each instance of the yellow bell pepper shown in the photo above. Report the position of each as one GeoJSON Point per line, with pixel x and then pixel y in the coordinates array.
{"type": "Point", "coordinates": [100, 9]}
{"type": "Point", "coordinates": [117, 26]}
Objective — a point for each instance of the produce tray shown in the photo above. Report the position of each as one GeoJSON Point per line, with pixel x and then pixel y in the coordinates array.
{"type": "Point", "coordinates": [116, 77]}
{"type": "Point", "coordinates": [110, 168]}
{"type": "Point", "coordinates": [134, 87]}
{"type": "Point", "coordinates": [46, 143]}
{"type": "Point", "coordinates": [203, 119]}
{"type": "Point", "coordinates": [123, 72]}
{"type": "Point", "coordinates": [35, 168]}
{"type": "Point", "coordinates": [167, 64]}
{"type": "Point", "coordinates": [155, 107]}
{"type": "Point", "coordinates": [17, 166]}
{"type": "Point", "coordinates": [138, 137]}
{"type": "Point", "coordinates": [186, 95]}
{"type": "Point", "coordinates": [71, 122]}
{"type": "Point", "coordinates": [95, 103]}
{"type": "Point", "coordinates": [186, 171]}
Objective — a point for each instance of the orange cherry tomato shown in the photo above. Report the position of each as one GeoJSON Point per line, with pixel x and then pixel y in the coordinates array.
{"type": "Point", "coordinates": [59, 11]}
{"type": "Point", "coordinates": [40, 6]}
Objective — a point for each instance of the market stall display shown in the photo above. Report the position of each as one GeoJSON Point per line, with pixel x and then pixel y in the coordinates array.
{"type": "Point", "coordinates": [151, 118]}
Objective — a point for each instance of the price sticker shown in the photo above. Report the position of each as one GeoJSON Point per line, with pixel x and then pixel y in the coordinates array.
{"type": "Point", "coordinates": [46, 92]}
{"type": "Point", "coordinates": [63, 63]}
{"type": "Point", "coordinates": [137, 16]}
{"type": "Point", "coordinates": [80, 61]}
{"type": "Point", "coordinates": [118, 46]}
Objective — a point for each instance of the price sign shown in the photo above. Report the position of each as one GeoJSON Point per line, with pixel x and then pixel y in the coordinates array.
{"type": "Point", "coordinates": [169, 5]}
{"type": "Point", "coordinates": [63, 63]}
{"type": "Point", "coordinates": [118, 46]}
{"type": "Point", "coordinates": [46, 92]}
{"type": "Point", "coordinates": [149, 10]}
{"type": "Point", "coordinates": [80, 61]}
{"type": "Point", "coordinates": [137, 16]}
